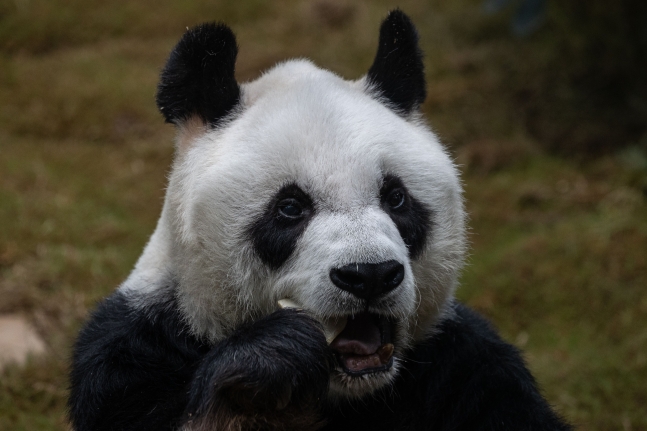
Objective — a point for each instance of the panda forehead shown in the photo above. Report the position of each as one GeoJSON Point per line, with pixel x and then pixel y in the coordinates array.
{"type": "Point", "coordinates": [332, 164]}
{"type": "Point", "coordinates": [304, 125]}
{"type": "Point", "coordinates": [336, 176]}
{"type": "Point", "coordinates": [294, 77]}
{"type": "Point", "coordinates": [298, 101]}
{"type": "Point", "coordinates": [313, 115]}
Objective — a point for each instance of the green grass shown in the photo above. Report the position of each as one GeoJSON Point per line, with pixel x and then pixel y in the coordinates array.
{"type": "Point", "coordinates": [559, 264]}
{"type": "Point", "coordinates": [559, 256]}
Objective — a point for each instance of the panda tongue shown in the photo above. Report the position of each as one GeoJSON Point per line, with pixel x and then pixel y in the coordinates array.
{"type": "Point", "coordinates": [360, 337]}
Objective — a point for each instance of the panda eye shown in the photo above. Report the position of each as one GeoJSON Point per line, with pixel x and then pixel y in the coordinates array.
{"type": "Point", "coordinates": [395, 199]}
{"type": "Point", "coordinates": [290, 208]}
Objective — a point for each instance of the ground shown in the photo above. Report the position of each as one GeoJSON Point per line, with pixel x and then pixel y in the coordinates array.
{"type": "Point", "coordinates": [559, 243]}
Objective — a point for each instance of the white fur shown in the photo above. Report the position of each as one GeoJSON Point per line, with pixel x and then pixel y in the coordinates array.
{"type": "Point", "coordinates": [298, 123]}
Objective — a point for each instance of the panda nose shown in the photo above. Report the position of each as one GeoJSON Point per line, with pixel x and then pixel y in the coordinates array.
{"type": "Point", "coordinates": [368, 280]}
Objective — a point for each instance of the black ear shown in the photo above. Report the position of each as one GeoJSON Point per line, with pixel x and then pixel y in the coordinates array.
{"type": "Point", "coordinates": [397, 73]}
{"type": "Point", "coordinates": [198, 78]}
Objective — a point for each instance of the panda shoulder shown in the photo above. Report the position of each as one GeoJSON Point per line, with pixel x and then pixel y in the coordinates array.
{"type": "Point", "coordinates": [468, 342]}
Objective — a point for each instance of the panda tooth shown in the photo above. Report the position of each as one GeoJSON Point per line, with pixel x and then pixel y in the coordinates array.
{"type": "Point", "coordinates": [332, 326]}
{"type": "Point", "coordinates": [385, 352]}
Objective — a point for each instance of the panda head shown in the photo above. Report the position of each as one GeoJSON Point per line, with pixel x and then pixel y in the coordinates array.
{"type": "Point", "coordinates": [303, 185]}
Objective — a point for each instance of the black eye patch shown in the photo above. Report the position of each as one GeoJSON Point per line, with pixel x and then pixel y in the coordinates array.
{"type": "Point", "coordinates": [410, 216]}
{"type": "Point", "coordinates": [275, 233]}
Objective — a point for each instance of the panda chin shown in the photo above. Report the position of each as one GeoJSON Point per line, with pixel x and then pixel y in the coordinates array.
{"type": "Point", "coordinates": [365, 345]}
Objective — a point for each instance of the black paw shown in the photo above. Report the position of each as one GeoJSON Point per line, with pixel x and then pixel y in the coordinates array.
{"type": "Point", "coordinates": [268, 371]}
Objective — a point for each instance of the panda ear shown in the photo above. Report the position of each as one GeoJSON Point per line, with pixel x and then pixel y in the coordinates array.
{"type": "Point", "coordinates": [198, 79]}
{"type": "Point", "coordinates": [397, 74]}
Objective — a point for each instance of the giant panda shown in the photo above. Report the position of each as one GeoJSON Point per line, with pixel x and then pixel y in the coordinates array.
{"type": "Point", "coordinates": [332, 195]}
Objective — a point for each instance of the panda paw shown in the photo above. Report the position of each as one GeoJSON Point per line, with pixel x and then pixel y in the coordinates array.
{"type": "Point", "coordinates": [271, 374]}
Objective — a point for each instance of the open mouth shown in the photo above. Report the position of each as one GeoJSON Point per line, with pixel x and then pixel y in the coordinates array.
{"type": "Point", "coordinates": [364, 346]}
{"type": "Point", "coordinates": [362, 342]}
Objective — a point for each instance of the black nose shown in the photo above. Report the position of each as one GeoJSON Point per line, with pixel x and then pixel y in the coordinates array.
{"type": "Point", "coordinates": [368, 280]}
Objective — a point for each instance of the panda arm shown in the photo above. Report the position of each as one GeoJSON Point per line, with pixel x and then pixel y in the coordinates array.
{"type": "Point", "coordinates": [132, 368]}
{"type": "Point", "coordinates": [271, 374]}
{"type": "Point", "coordinates": [140, 369]}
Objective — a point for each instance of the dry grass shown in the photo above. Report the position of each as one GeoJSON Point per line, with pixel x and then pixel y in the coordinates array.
{"type": "Point", "coordinates": [559, 246]}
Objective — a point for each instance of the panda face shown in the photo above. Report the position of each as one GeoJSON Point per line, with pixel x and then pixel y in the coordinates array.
{"type": "Point", "coordinates": [301, 185]}
{"type": "Point", "coordinates": [317, 192]}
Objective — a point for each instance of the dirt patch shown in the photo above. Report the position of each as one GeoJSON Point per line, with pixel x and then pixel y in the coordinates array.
{"type": "Point", "coordinates": [18, 340]}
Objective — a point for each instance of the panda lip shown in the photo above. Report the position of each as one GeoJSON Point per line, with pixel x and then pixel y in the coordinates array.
{"type": "Point", "coordinates": [364, 346]}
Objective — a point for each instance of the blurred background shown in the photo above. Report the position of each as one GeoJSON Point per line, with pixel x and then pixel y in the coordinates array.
{"type": "Point", "coordinates": [542, 103]}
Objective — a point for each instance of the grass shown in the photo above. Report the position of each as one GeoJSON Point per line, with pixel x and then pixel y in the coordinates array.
{"type": "Point", "coordinates": [559, 257]}
{"type": "Point", "coordinates": [564, 279]}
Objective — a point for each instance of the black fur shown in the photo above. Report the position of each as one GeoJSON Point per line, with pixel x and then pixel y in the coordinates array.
{"type": "Point", "coordinates": [198, 78]}
{"type": "Point", "coordinates": [412, 219]}
{"type": "Point", "coordinates": [275, 236]}
{"type": "Point", "coordinates": [140, 369]}
{"type": "Point", "coordinates": [397, 73]}
{"type": "Point", "coordinates": [132, 370]}
{"type": "Point", "coordinates": [278, 367]}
